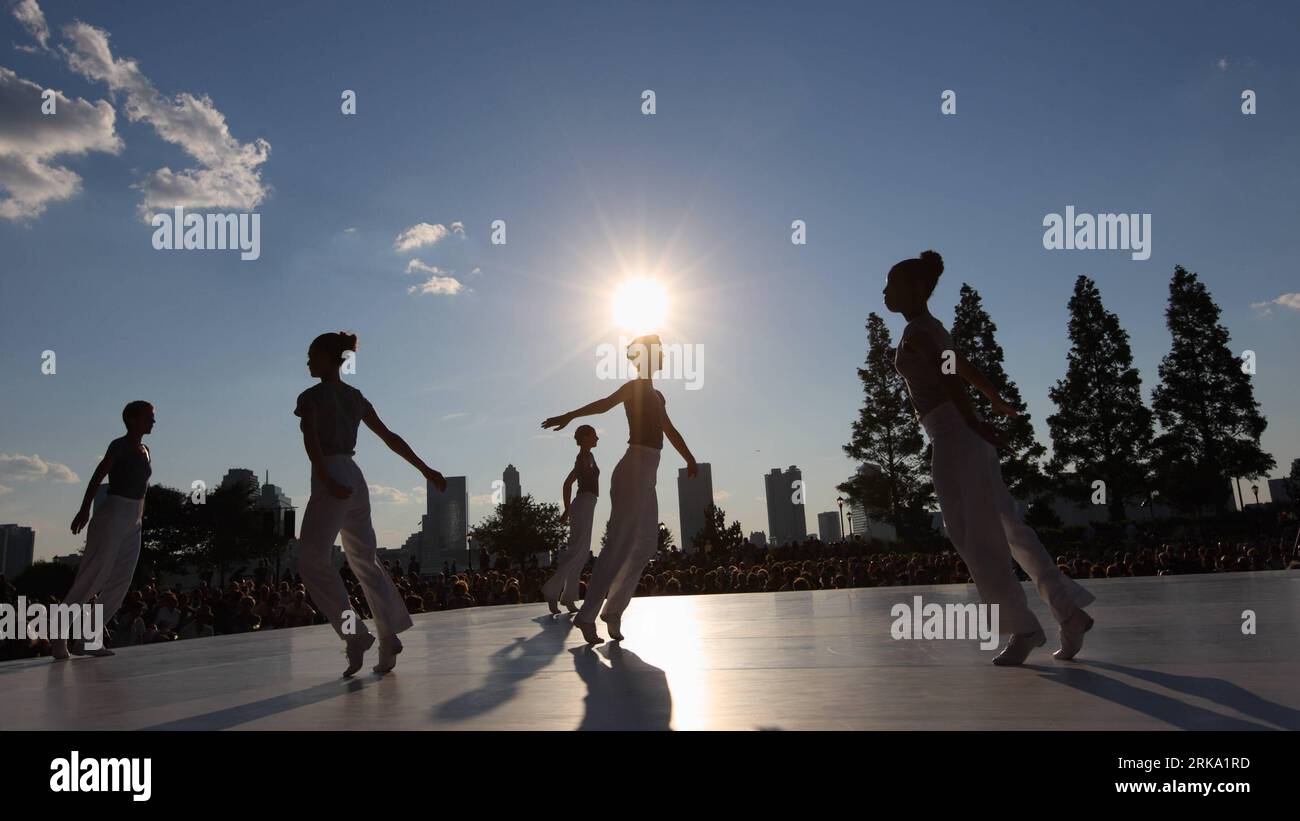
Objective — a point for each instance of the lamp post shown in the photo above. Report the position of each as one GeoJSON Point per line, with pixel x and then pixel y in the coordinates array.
{"type": "Point", "coordinates": [469, 554]}
{"type": "Point", "coordinates": [839, 500]}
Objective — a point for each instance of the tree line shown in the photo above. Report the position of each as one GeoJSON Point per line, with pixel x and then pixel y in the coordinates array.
{"type": "Point", "coordinates": [1201, 428]}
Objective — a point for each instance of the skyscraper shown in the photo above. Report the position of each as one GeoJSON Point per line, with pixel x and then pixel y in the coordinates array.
{"type": "Point", "coordinates": [694, 498]}
{"type": "Point", "coordinates": [445, 524]}
{"type": "Point", "coordinates": [17, 547]}
{"type": "Point", "coordinates": [828, 527]}
{"type": "Point", "coordinates": [510, 477]}
{"type": "Point", "coordinates": [785, 510]}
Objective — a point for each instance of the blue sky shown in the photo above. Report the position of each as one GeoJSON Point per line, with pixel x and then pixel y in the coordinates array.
{"type": "Point", "coordinates": [531, 113]}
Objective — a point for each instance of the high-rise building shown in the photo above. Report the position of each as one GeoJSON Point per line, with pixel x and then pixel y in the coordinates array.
{"type": "Point", "coordinates": [510, 477]}
{"type": "Point", "coordinates": [828, 527]}
{"type": "Point", "coordinates": [239, 474]}
{"type": "Point", "coordinates": [445, 525]}
{"type": "Point", "coordinates": [17, 547]}
{"type": "Point", "coordinates": [278, 507]}
{"type": "Point", "coordinates": [694, 498]}
{"type": "Point", "coordinates": [785, 509]}
{"type": "Point", "coordinates": [758, 538]}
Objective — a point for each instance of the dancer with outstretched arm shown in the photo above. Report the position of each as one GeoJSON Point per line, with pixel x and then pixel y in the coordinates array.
{"type": "Point", "coordinates": [634, 514]}
{"type": "Point", "coordinates": [331, 412]}
{"type": "Point", "coordinates": [562, 588]}
{"type": "Point", "coordinates": [977, 508]}
{"type": "Point", "coordinates": [113, 538]}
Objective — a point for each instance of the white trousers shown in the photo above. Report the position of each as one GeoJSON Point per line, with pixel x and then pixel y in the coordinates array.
{"type": "Point", "coordinates": [986, 530]}
{"type": "Point", "coordinates": [323, 521]}
{"type": "Point", "coordinates": [112, 549]}
{"type": "Point", "coordinates": [633, 534]}
{"type": "Point", "coordinates": [568, 573]}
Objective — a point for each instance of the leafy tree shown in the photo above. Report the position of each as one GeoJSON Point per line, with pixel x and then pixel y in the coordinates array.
{"type": "Point", "coordinates": [716, 535]}
{"type": "Point", "coordinates": [522, 527]}
{"type": "Point", "coordinates": [1101, 429]}
{"type": "Point", "coordinates": [173, 531]}
{"type": "Point", "coordinates": [41, 580]}
{"type": "Point", "coordinates": [973, 332]}
{"type": "Point", "coordinates": [893, 482]}
{"type": "Point", "coordinates": [1209, 419]}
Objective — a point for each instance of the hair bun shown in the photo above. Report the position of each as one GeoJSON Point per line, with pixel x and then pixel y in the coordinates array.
{"type": "Point", "coordinates": [348, 342]}
{"type": "Point", "coordinates": [933, 263]}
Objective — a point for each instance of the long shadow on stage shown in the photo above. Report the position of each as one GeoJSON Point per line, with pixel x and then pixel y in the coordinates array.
{"type": "Point", "coordinates": [1172, 710]}
{"type": "Point", "coordinates": [626, 694]}
{"type": "Point", "coordinates": [243, 713]}
{"type": "Point", "coordinates": [511, 665]}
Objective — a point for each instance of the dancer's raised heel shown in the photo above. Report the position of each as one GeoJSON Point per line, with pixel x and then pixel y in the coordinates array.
{"type": "Point", "coordinates": [612, 625]}
{"type": "Point", "coordinates": [1071, 635]}
{"type": "Point", "coordinates": [1018, 648]}
{"type": "Point", "coordinates": [59, 650]}
{"type": "Point", "coordinates": [388, 650]}
{"type": "Point", "coordinates": [554, 604]}
{"type": "Point", "coordinates": [356, 650]}
{"type": "Point", "coordinates": [589, 633]}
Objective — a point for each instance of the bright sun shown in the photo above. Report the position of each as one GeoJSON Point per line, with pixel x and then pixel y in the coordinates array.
{"type": "Point", "coordinates": [640, 305]}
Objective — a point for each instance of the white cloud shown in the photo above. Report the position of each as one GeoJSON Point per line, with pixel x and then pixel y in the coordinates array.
{"type": "Point", "coordinates": [1291, 301]}
{"type": "Point", "coordinates": [721, 496]}
{"type": "Point", "coordinates": [30, 141]}
{"type": "Point", "coordinates": [439, 286]}
{"type": "Point", "coordinates": [228, 174]}
{"type": "Point", "coordinates": [415, 266]}
{"type": "Point", "coordinates": [418, 235]}
{"type": "Point", "coordinates": [458, 228]}
{"type": "Point", "coordinates": [396, 496]}
{"type": "Point", "coordinates": [20, 468]}
{"type": "Point", "coordinates": [33, 19]}
{"type": "Point", "coordinates": [451, 416]}
{"type": "Point", "coordinates": [481, 499]}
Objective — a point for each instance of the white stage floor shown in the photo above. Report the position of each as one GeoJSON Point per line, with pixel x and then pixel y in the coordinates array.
{"type": "Point", "coordinates": [1167, 653]}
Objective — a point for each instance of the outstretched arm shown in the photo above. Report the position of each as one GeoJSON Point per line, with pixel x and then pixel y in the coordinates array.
{"type": "Point", "coordinates": [593, 409]}
{"type": "Point", "coordinates": [398, 445]}
{"type": "Point", "coordinates": [101, 470]}
{"type": "Point", "coordinates": [675, 437]}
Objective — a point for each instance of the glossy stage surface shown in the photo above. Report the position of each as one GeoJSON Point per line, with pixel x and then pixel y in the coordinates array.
{"type": "Point", "coordinates": [1166, 653]}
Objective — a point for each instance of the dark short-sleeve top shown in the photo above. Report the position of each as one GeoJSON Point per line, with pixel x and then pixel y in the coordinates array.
{"type": "Point", "coordinates": [645, 414]}
{"type": "Point", "coordinates": [337, 408]}
{"type": "Point", "coordinates": [129, 476]}
{"type": "Point", "coordinates": [588, 473]}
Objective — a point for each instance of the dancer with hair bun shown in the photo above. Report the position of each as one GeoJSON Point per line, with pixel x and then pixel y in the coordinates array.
{"type": "Point", "coordinates": [634, 513]}
{"type": "Point", "coordinates": [977, 508]}
{"type": "Point", "coordinates": [331, 412]}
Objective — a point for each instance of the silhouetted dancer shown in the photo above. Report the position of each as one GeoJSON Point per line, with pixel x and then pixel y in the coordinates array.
{"type": "Point", "coordinates": [634, 514]}
{"type": "Point", "coordinates": [340, 501]}
{"type": "Point", "coordinates": [977, 507]}
{"type": "Point", "coordinates": [563, 586]}
{"type": "Point", "coordinates": [113, 538]}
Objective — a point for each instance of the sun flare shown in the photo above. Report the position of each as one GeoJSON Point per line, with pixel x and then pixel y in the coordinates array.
{"type": "Point", "coordinates": [640, 305]}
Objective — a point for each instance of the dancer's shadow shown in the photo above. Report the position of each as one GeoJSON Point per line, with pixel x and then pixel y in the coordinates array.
{"type": "Point", "coordinates": [511, 665]}
{"type": "Point", "coordinates": [1165, 708]}
{"type": "Point", "coordinates": [244, 713]}
{"type": "Point", "coordinates": [1218, 690]}
{"type": "Point", "coordinates": [627, 694]}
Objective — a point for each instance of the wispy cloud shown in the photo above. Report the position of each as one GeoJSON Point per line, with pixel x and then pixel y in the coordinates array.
{"type": "Point", "coordinates": [17, 467]}
{"type": "Point", "coordinates": [1291, 301]}
{"type": "Point", "coordinates": [419, 235]}
{"type": "Point", "coordinates": [31, 17]}
{"type": "Point", "coordinates": [31, 142]}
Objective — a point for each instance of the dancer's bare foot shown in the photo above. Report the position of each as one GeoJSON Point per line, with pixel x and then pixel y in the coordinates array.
{"type": "Point", "coordinates": [59, 650]}
{"type": "Point", "coordinates": [1071, 635]}
{"type": "Point", "coordinates": [612, 624]}
{"type": "Point", "coordinates": [589, 633]}
{"type": "Point", "coordinates": [569, 605]}
{"type": "Point", "coordinates": [554, 605]}
{"type": "Point", "coordinates": [1018, 648]}
{"type": "Point", "coordinates": [356, 650]}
